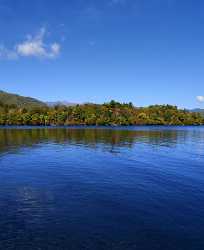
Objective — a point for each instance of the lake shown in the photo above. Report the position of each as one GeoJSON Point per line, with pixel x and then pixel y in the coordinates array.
{"type": "Point", "coordinates": [91, 188]}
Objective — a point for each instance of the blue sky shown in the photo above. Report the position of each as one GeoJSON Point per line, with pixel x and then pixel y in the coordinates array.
{"type": "Point", "coordinates": [144, 51]}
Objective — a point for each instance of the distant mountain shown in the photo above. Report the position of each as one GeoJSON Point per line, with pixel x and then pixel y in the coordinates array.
{"type": "Point", "coordinates": [20, 101]}
{"type": "Point", "coordinates": [59, 103]}
{"type": "Point", "coordinates": [201, 111]}
{"type": "Point", "coordinates": [198, 110]}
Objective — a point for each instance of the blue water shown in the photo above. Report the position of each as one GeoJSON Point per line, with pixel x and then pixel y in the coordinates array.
{"type": "Point", "coordinates": [118, 188]}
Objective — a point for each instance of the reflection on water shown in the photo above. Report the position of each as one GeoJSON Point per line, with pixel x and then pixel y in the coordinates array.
{"type": "Point", "coordinates": [110, 139]}
{"type": "Point", "coordinates": [135, 188]}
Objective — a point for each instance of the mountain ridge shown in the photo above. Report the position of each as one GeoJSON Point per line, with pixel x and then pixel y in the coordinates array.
{"type": "Point", "coordinates": [9, 99]}
{"type": "Point", "coordinates": [199, 110]}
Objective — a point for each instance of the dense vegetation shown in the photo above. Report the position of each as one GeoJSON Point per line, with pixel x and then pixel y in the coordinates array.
{"type": "Point", "coordinates": [19, 101]}
{"type": "Point", "coordinates": [112, 113]}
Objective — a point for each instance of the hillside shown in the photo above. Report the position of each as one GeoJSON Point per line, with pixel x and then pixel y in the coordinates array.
{"type": "Point", "coordinates": [35, 112]}
{"type": "Point", "coordinates": [19, 101]}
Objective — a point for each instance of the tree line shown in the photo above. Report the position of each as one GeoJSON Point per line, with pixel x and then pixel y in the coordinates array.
{"type": "Point", "coordinates": [112, 113]}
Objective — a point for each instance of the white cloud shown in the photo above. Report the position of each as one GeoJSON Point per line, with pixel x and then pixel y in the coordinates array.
{"type": "Point", "coordinates": [36, 47]}
{"type": "Point", "coordinates": [200, 98]}
{"type": "Point", "coordinates": [55, 48]}
{"type": "Point", "coordinates": [33, 46]}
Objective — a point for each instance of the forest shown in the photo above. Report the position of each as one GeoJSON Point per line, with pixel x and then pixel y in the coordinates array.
{"type": "Point", "coordinates": [107, 114]}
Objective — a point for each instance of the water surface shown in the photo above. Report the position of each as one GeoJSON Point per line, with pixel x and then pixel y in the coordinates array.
{"type": "Point", "coordinates": [93, 188]}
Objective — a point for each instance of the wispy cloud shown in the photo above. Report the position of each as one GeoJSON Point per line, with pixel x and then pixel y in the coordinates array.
{"type": "Point", "coordinates": [32, 46]}
{"type": "Point", "coordinates": [7, 54]}
{"type": "Point", "coordinates": [200, 98]}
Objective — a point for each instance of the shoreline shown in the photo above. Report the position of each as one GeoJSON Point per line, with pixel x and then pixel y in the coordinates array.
{"type": "Point", "coordinates": [94, 126]}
